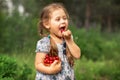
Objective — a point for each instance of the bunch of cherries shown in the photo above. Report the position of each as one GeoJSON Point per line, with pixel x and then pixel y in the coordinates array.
{"type": "Point", "coordinates": [50, 59]}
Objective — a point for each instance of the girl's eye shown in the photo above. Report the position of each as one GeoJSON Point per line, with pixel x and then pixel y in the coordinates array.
{"type": "Point", "coordinates": [64, 18]}
{"type": "Point", "coordinates": [57, 19]}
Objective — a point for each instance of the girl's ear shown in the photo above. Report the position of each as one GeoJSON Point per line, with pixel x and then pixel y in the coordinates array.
{"type": "Point", "coordinates": [46, 25]}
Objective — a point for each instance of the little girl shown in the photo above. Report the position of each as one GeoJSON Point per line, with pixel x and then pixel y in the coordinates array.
{"type": "Point", "coordinates": [57, 41]}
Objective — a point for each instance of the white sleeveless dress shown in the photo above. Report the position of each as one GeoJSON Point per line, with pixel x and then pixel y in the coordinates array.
{"type": "Point", "coordinates": [67, 72]}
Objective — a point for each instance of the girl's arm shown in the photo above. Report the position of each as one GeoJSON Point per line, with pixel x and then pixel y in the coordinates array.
{"type": "Point", "coordinates": [74, 49]}
{"type": "Point", "coordinates": [55, 67]}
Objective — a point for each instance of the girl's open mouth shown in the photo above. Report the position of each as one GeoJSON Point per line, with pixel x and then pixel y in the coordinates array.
{"type": "Point", "coordinates": [62, 29]}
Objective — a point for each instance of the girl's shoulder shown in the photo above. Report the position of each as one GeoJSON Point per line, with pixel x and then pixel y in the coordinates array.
{"type": "Point", "coordinates": [43, 45]}
{"type": "Point", "coordinates": [44, 40]}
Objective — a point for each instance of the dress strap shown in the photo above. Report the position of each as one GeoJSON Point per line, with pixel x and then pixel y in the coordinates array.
{"type": "Point", "coordinates": [49, 36]}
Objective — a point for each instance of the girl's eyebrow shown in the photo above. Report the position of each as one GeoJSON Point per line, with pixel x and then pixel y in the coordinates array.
{"type": "Point", "coordinates": [57, 17]}
{"type": "Point", "coordinates": [61, 16]}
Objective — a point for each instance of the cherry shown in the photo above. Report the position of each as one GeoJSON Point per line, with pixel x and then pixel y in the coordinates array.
{"type": "Point", "coordinates": [50, 59]}
{"type": "Point", "coordinates": [62, 30]}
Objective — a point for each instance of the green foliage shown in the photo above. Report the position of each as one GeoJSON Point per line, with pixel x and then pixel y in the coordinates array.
{"type": "Point", "coordinates": [96, 45]}
{"type": "Point", "coordinates": [18, 32]}
{"type": "Point", "coordinates": [6, 78]}
{"type": "Point", "coordinates": [100, 70]}
{"type": "Point", "coordinates": [10, 70]}
{"type": "Point", "coordinates": [111, 71]}
{"type": "Point", "coordinates": [25, 74]}
{"type": "Point", "coordinates": [8, 67]}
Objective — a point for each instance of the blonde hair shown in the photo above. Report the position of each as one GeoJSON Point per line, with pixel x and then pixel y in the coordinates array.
{"type": "Point", "coordinates": [44, 18]}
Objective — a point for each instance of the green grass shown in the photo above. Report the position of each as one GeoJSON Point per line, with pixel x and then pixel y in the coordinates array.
{"type": "Point", "coordinates": [25, 58]}
{"type": "Point", "coordinates": [84, 69]}
{"type": "Point", "coordinates": [99, 70]}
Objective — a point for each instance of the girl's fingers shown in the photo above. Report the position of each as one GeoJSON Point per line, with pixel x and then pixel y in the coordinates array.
{"type": "Point", "coordinates": [55, 62]}
{"type": "Point", "coordinates": [66, 34]}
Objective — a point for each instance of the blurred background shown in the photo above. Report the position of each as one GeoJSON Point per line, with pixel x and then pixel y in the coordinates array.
{"type": "Point", "coordinates": [95, 25]}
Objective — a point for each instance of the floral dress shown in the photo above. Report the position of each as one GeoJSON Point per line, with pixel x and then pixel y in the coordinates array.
{"type": "Point", "coordinates": [67, 72]}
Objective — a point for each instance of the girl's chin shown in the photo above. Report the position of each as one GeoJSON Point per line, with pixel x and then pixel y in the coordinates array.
{"type": "Point", "coordinates": [60, 35]}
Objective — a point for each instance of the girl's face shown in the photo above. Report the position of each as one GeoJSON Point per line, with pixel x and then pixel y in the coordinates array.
{"type": "Point", "coordinates": [58, 23]}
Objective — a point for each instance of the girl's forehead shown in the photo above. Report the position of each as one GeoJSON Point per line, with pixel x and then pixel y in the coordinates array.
{"type": "Point", "coordinates": [58, 12]}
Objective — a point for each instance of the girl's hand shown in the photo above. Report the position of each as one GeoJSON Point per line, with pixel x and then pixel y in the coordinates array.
{"type": "Point", "coordinates": [55, 66]}
{"type": "Point", "coordinates": [67, 35]}
{"type": "Point", "coordinates": [72, 46]}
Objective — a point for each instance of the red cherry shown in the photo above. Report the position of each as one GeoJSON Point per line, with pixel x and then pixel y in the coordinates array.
{"type": "Point", "coordinates": [56, 58]}
{"type": "Point", "coordinates": [45, 61]}
{"type": "Point", "coordinates": [48, 62]}
{"type": "Point", "coordinates": [62, 30]}
{"type": "Point", "coordinates": [53, 58]}
{"type": "Point", "coordinates": [50, 59]}
{"type": "Point", "coordinates": [51, 62]}
{"type": "Point", "coordinates": [46, 56]}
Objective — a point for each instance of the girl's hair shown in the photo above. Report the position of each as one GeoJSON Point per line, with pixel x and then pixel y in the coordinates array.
{"type": "Point", "coordinates": [44, 18]}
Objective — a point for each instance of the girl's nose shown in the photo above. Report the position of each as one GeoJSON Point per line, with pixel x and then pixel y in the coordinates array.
{"type": "Point", "coordinates": [62, 21]}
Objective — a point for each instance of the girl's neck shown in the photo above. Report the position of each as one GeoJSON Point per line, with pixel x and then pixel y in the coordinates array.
{"type": "Point", "coordinates": [57, 39]}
